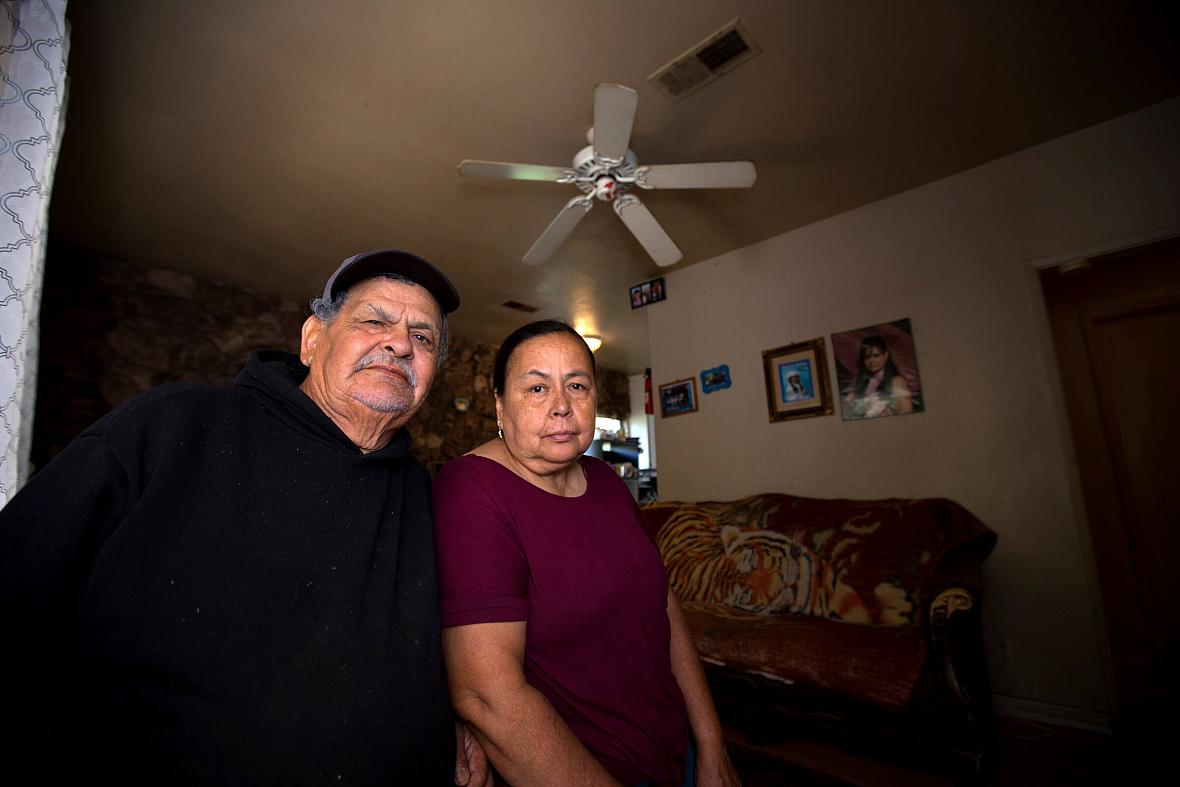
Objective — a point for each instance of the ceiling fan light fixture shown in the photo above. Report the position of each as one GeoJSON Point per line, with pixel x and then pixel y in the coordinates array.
{"type": "Point", "coordinates": [606, 170]}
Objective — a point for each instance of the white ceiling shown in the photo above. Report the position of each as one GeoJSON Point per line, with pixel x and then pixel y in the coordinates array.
{"type": "Point", "coordinates": [259, 143]}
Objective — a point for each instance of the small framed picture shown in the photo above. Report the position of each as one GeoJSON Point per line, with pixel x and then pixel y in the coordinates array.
{"type": "Point", "coordinates": [797, 381]}
{"type": "Point", "coordinates": [715, 379]}
{"type": "Point", "coordinates": [657, 289]}
{"type": "Point", "coordinates": [651, 291]}
{"type": "Point", "coordinates": [877, 371]}
{"type": "Point", "coordinates": [678, 398]}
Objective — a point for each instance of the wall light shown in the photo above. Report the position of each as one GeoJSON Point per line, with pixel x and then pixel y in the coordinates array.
{"type": "Point", "coordinates": [593, 342]}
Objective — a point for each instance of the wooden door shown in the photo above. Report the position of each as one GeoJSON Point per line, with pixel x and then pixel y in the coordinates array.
{"type": "Point", "coordinates": [1116, 325]}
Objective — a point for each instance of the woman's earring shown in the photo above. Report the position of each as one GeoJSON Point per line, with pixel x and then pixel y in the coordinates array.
{"type": "Point", "coordinates": [500, 430]}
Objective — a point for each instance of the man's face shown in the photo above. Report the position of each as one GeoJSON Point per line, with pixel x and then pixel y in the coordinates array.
{"type": "Point", "coordinates": [380, 352]}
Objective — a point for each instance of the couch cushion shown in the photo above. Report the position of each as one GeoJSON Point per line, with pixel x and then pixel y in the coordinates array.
{"type": "Point", "coordinates": [877, 664]}
{"type": "Point", "coordinates": [854, 561]}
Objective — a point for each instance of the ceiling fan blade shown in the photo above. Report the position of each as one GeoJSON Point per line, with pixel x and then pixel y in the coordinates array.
{"type": "Point", "coordinates": [647, 230]}
{"type": "Point", "coordinates": [706, 175]}
{"type": "Point", "coordinates": [558, 230]}
{"type": "Point", "coordinates": [614, 112]}
{"type": "Point", "coordinates": [509, 171]}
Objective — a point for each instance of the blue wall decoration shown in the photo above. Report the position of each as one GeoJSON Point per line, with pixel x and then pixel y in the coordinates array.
{"type": "Point", "coordinates": [715, 379]}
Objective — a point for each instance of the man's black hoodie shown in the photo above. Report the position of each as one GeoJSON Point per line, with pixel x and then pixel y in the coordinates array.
{"type": "Point", "coordinates": [214, 585]}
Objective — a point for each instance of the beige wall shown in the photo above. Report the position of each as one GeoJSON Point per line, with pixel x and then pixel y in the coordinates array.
{"type": "Point", "coordinates": [957, 257]}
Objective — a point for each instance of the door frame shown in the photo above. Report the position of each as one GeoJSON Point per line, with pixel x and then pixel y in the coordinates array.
{"type": "Point", "coordinates": [1077, 498]}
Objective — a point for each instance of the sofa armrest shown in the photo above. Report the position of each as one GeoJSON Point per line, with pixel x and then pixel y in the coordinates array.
{"type": "Point", "coordinates": [948, 603]}
{"type": "Point", "coordinates": [956, 650]}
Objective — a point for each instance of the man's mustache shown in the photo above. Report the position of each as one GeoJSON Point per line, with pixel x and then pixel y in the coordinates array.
{"type": "Point", "coordinates": [379, 358]}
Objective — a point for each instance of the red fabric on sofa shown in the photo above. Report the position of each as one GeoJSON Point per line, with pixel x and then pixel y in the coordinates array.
{"type": "Point", "coordinates": [876, 664]}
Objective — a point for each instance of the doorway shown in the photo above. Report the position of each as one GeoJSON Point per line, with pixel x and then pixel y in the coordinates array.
{"type": "Point", "coordinates": [1116, 327]}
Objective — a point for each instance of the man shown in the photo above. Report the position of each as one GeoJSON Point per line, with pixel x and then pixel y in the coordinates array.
{"type": "Point", "coordinates": [237, 585]}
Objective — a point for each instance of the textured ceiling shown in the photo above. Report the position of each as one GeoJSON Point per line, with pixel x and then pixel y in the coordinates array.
{"type": "Point", "coordinates": [259, 143]}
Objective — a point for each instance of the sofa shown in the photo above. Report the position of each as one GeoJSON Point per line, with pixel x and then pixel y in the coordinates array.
{"type": "Point", "coordinates": [853, 622]}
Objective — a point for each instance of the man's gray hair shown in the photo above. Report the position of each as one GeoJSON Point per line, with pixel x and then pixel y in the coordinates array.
{"type": "Point", "coordinates": [326, 311]}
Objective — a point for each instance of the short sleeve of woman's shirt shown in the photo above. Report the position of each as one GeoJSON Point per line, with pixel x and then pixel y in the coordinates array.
{"type": "Point", "coordinates": [482, 569]}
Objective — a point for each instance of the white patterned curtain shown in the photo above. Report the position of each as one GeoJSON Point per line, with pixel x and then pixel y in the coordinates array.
{"type": "Point", "coordinates": [33, 52]}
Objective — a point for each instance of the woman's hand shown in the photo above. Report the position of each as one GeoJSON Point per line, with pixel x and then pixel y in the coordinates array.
{"type": "Point", "coordinates": [716, 771]}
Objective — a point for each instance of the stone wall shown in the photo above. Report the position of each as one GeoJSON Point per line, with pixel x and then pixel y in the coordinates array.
{"type": "Point", "coordinates": [111, 330]}
{"type": "Point", "coordinates": [614, 394]}
{"type": "Point", "coordinates": [441, 432]}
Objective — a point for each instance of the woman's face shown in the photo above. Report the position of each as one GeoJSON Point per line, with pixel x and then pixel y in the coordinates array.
{"type": "Point", "coordinates": [547, 407]}
{"type": "Point", "coordinates": [874, 359]}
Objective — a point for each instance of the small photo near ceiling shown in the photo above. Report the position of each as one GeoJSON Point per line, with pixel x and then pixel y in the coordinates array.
{"type": "Point", "coordinates": [797, 381]}
{"type": "Point", "coordinates": [678, 397]}
{"type": "Point", "coordinates": [877, 371]}
{"type": "Point", "coordinates": [715, 379]}
{"type": "Point", "coordinates": [647, 292]}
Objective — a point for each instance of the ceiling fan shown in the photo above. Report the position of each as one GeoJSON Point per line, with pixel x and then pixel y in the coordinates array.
{"type": "Point", "coordinates": [607, 169]}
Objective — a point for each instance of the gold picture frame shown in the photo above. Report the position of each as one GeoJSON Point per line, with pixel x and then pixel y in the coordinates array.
{"type": "Point", "coordinates": [797, 381]}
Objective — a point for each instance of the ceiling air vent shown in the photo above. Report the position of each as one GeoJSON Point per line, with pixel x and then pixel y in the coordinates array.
{"type": "Point", "coordinates": [520, 307]}
{"type": "Point", "coordinates": [721, 52]}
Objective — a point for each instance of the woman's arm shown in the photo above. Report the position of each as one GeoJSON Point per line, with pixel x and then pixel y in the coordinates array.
{"type": "Point", "coordinates": [899, 391]}
{"type": "Point", "coordinates": [713, 765]}
{"type": "Point", "coordinates": [521, 732]}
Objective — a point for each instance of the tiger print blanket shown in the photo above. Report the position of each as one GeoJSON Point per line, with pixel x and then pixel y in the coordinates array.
{"type": "Point", "coordinates": [853, 561]}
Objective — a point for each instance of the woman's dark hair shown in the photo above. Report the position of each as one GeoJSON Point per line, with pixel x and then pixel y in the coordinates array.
{"type": "Point", "coordinates": [522, 335]}
{"type": "Point", "coordinates": [862, 375]}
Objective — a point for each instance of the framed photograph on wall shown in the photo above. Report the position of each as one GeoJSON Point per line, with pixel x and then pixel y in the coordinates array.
{"type": "Point", "coordinates": [651, 291]}
{"type": "Point", "coordinates": [715, 379]}
{"type": "Point", "coordinates": [678, 398]}
{"type": "Point", "coordinates": [797, 381]}
{"type": "Point", "coordinates": [877, 371]}
{"type": "Point", "coordinates": [657, 289]}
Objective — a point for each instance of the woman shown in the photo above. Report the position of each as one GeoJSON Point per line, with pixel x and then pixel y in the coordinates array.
{"type": "Point", "coordinates": [566, 653]}
{"type": "Point", "coordinates": [879, 388]}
